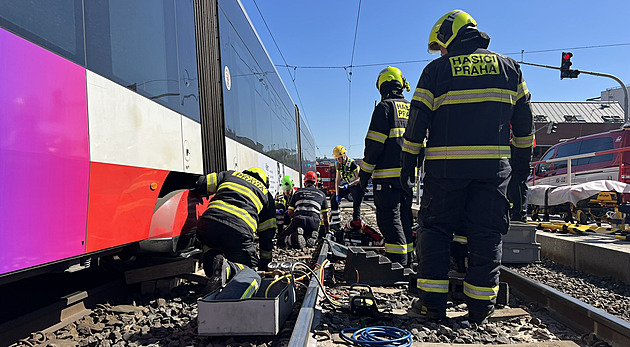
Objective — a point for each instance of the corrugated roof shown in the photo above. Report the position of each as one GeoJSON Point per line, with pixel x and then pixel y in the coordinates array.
{"type": "Point", "coordinates": [578, 112]}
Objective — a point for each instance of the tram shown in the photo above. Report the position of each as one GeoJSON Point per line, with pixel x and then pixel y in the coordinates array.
{"type": "Point", "coordinates": [110, 112]}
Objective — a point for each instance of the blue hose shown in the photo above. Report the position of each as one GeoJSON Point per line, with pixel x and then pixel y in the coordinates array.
{"type": "Point", "coordinates": [377, 336]}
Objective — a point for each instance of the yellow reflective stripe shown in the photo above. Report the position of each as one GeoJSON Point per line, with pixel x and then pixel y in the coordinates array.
{"type": "Point", "coordinates": [367, 167]}
{"type": "Point", "coordinates": [410, 248]}
{"type": "Point", "coordinates": [291, 208]}
{"type": "Point", "coordinates": [376, 136]}
{"type": "Point", "coordinates": [480, 293]}
{"type": "Point", "coordinates": [468, 152]}
{"type": "Point", "coordinates": [460, 239]}
{"type": "Point", "coordinates": [245, 191]}
{"type": "Point", "coordinates": [424, 96]}
{"type": "Point", "coordinates": [521, 90]}
{"type": "Point", "coordinates": [475, 95]}
{"type": "Point", "coordinates": [434, 286]}
{"type": "Point", "coordinates": [239, 266]}
{"type": "Point", "coordinates": [251, 290]}
{"type": "Point", "coordinates": [386, 173]}
{"type": "Point", "coordinates": [411, 147]}
{"type": "Point", "coordinates": [523, 142]}
{"type": "Point", "coordinates": [268, 224]}
{"type": "Point", "coordinates": [396, 132]}
{"type": "Point", "coordinates": [237, 211]}
{"type": "Point", "coordinates": [396, 249]}
{"type": "Point", "coordinates": [265, 254]}
{"type": "Point", "coordinates": [211, 182]}
{"type": "Point", "coordinates": [325, 210]}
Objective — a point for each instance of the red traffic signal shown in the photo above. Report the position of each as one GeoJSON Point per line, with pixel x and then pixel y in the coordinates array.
{"type": "Point", "coordinates": [565, 67]}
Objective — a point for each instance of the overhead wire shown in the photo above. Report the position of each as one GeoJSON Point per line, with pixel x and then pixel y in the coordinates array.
{"type": "Point", "coordinates": [428, 60]}
{"type": "Point", "coordinates": [354, 44]}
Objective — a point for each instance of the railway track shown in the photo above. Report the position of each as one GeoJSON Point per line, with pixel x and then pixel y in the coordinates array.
{"type": "Point", "coordinates": [171, 318]}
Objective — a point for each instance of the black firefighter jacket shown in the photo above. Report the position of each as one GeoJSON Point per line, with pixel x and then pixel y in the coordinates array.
{"type": "Point", "coordinates": [467, 100]}
{"type": "Point", "coordinates": [384, 141]}
{"type": "Point", "coordinates": [243, 203]}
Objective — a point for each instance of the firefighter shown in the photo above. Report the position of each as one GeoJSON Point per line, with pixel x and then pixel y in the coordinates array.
{"type": "Point", "coordinates": [242, 207]}
{"type": "Point", "coordinates": [468, 98]}
{"type": "Point", "coordinates": [381, 162]}
{"type": "Point", "coordinates": [347, 170]}
{"type": "Point", "coordinates": [307, 208]}
{"type": "Point", "coordinates": [287, 187]}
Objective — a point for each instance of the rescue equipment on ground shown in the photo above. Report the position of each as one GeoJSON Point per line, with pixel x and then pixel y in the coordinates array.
{"type": "Point", "coordinates": [359, 235]}
{"type": "Point", "coordinates": [592, 202]}
{"type": "Point", "coordinates": [362, 300]}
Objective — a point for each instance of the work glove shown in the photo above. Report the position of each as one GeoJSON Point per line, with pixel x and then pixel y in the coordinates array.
{"type": "Point", "coordinates": [338, 199]}
{"type": "Point", "coordinates": [363, 182]}
{"type": "Point", "coordinates": [408, 172]}
{"type": "Point", "coordinates": [201, 186]}
{"type": "Point", "coordinates": [345, 186]}
{"type": "Point", "coordinates": [280, 212]}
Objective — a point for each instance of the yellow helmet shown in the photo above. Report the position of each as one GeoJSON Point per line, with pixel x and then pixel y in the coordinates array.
{"type": "Point", "coordinates": [446, 29]}
{"type": "Point", "coordinates": [391, 73]}
{"type": "Point", "coordinates": [339, 151]}
{"type": "Point", "coordinates": [259, 174]}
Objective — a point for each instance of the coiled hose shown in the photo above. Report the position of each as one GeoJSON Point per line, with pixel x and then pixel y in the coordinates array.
{"type": "Point", "coordinates": [377, 336]}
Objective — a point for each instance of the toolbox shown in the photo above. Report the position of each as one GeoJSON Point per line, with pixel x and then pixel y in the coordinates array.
{"type": "Point", "coordinates": [255, 316]}
{"type": "Point", "coordinates": [520, 232]}
{"type": "Point", "coordinates": [520, 253]}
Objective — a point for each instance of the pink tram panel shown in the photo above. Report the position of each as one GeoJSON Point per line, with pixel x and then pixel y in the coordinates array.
{"type": "Point", "coordinates": [44, 156]}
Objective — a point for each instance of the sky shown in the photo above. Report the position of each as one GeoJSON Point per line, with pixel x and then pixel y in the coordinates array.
{"type": "Point", "coordinates": [317, 38]}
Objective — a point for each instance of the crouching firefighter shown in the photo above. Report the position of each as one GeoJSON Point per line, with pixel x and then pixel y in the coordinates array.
{"type": "Point", "coordinates": [307, 208]}
{"type": "Point", "coordinates": [381, 161]}
{"type": "Point", "coordinates": [242, 206]}
{"type": "Point", "coordinates": [282, 202]}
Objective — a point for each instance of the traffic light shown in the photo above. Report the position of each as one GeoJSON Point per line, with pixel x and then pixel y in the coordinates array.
{"type": "Point", "coordinates": [565, 67]}
{"type": "Point", "coordinates": [552, 127]}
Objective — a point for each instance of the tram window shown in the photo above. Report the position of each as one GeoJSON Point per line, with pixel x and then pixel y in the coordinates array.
{"type": "Point", "coordinates": [55, 25]}
{"type": "Point", "coordinates": [187, 54]}
{"type": "Point", "coordinates": [134, 44]}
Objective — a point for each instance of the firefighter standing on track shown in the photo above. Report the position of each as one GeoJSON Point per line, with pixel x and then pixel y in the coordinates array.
{"type": "Point", "coordinates": [347, 170]}
{"type": "Point", "coordinates": [307, 208]}
{"type": "Point", "coordinates": [282, 202]}
{"type": "Point", "coordinates": [468, 99]}
{"type": "Point", "coordinates": [381, 162]}
{"type": "Point", "coordinates": [241, 207]}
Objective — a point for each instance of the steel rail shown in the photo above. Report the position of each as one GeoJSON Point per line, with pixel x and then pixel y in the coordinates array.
{"type": "Point", "coordinates": [302, 328]}
{"type": "Point", "coordinates": [57, 315]}
{"type": "Point", "coordinates": [574, 313]}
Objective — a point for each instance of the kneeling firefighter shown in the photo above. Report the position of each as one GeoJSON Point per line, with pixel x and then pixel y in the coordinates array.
{"type": "Point", "coordinates": [282, 202]}
{"type": "Point", "coordinates": [347, 170]}
{"type": "Point", "coordinates": [307, 208]}
{"type": "Point", "coordinates": [242, 207]}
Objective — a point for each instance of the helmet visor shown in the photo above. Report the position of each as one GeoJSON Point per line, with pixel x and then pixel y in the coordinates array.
{"type": "Point", "coordinates": [434, 48]}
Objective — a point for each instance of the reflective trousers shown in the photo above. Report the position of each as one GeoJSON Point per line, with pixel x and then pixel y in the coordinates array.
{"type": "Point", "coordinates": [479, 206]}
{"type": "Point", "coordinates": [394, 218]}
{"type": "Point", "coordinates": [357, 197]}
{"type": "Point", "coordinates": [236, 245]}
{"type": "Point", "coordinates": [309, 224]}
